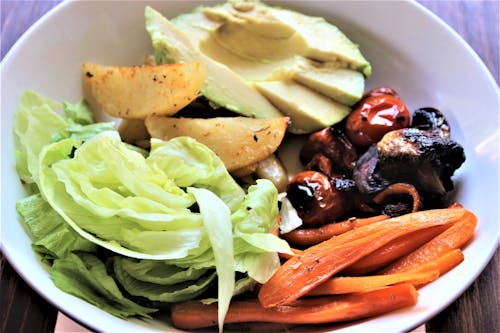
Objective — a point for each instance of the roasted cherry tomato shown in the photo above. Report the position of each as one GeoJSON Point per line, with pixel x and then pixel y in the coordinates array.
{"type": "Point", "coordinates": [374, 116]}
{"type": "Point", "coordinates": [315, 198]}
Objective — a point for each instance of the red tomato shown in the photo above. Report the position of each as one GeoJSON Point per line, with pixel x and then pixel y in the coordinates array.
{"type": "Point", "coordinates": [316, 199]}
{"type": "Point", "coordinates": [374, 116]}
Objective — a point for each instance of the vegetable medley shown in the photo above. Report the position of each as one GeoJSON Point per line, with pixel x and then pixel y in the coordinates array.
{"type": "Point", "coordinates": [185, 206]}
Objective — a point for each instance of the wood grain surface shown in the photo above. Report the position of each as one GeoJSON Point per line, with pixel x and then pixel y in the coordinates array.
{"type": "Point", "coordinates": [477, 310]}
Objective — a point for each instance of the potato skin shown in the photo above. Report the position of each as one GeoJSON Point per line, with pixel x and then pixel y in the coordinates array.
{"type": "Point", "coordinates": [238, 141]}
{"type": "Point", "coordinates": [136, 92]}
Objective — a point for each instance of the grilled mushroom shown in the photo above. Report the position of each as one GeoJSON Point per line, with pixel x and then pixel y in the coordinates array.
{"type": "Point", "coordinates": [420, 158]}
{"type": "Point", "coordinates": [431, 119]}
{"type": "Point", "coordinates": [398, 199]}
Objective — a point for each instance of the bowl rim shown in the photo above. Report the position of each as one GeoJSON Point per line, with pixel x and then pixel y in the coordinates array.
{"type": "Point", "coordinates": [6, 250]}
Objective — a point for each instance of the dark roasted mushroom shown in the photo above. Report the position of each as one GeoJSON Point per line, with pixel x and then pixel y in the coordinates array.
{"type": "Point", "coordinates": [398, 199]}
{"type": "Point", "coordinates": [420, 158]}
{"type": "Point", "coordinates": [431, 119]}
{"type": "Point", "coordinates": [366, 175]}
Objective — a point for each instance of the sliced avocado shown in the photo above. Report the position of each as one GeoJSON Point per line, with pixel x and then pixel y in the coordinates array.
{"type": "Point", "coordinates": [256, 30]}
{"type": "Point", "coordinates": [343, 85]}
{"type": "Point", "coordinates": [309, 111]}
{"type": "Point", "coordinates": [325, 41]}
{"type": "Point", "coordinates": [256, 46]}
{"type": "Point", "coordinates": [222, 86]}
{"type": "Point", "coordinates": [252, 33]}
{"type": "Point", "coordinates": [251, 16]}
{"type": "Point", "coordinates": [202, 32]}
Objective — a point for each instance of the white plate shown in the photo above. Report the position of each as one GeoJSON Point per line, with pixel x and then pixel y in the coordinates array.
{"type": "Point", "coordinates": [429, 66]}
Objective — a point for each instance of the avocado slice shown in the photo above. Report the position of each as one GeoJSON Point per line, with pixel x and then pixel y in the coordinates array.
{"type": "Point", "coordinates": [202, 31]}
{"type": "Point", "coordinates": [246, 29]}
{"type": "Point", "coordinates": [255, 30]}
{"type": "Point", "coordinates": [343, 85]}
{"type": "Point", "coordinates": [223, 87]}
{"type": "Point", "coordinates": [309, 111]}
{"type": "Point", "coordinates": [325, 41]}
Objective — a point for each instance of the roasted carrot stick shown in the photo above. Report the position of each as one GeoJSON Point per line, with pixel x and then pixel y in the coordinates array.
{"type": "Point", "coordinates": [300, 274]}
{"type": "Point", "coordinates": [354, 284]}
{"type": "Point", "coordinates": [393, 250]}
{"type": "Point", "coordinates": [452, 238]}
{"type": "Point", "coordinates": [417, 277]}
{"type": "Point", "coordinates": [315, 310]}
{"type": "Point", "coordinates": [443, 264]}
{"type": "Point", "coordinates": [312, 236]}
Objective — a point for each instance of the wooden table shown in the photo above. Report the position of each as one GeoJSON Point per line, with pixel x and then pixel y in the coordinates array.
{"type": "Point", "coordinates": [477, 310]}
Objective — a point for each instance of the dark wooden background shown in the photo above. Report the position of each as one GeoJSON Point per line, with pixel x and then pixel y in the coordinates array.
{"type": "Point", "coordinates": [477, 310]}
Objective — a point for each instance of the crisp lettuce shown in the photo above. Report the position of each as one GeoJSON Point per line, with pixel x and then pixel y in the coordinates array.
{"type": "Point", "coordinates": [158, 271]}
{"type": "Point", "coordinates": [184, 287]}
{"type": "Point", "coordinates": [78, 113]}
{"type": "Point", "coordinates": [38, 123]}
{"type": "Point", "coordinates": [190, 163]}
{"type": "Point", "coordinates": [52, 236]}
{"type": "Point", "coordinates": [217, 221]}
{"type": "Point", "coordinates": [256, 247]}
{"type": "Point", "coordinates": [85, 275]}
{"type": "Point", "coordinates": [173, 219]}
{"type": "Point", "coordinates": [35, 123]}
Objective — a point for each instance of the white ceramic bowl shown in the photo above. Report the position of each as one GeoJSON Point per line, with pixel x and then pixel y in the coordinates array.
{"type": "Point", "coordinates": [429, 66]}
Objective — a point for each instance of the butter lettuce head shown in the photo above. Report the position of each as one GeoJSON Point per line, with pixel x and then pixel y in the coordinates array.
{"type": "Point", "coordinates": [126, 202]}
{"type": "Point", "coordinates": [173, 219]}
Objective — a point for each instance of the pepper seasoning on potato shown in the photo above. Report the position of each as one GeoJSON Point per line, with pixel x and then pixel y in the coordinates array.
{"type": "Point", "coordinates": [136, 92]}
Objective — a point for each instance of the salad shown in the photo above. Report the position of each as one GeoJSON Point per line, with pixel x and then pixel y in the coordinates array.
{"type": "Point", "coordinates": [135, 226]}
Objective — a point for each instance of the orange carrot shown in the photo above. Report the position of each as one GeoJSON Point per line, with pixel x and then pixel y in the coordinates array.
{"type": "Point", "coordinates": [393, 250]}
{"type": "Point", "coordinates": [354, 284]}
{"type": "Point", "coordinates": [312, 236]}
{"type": "Point", "coordinates": [300, 274]}
{"type": "Point", "coordinates": [452, 238]}
{"type": "Point", "coordinates": [443, 264]}
{"type": "Point", "coordinates": [315, 310]}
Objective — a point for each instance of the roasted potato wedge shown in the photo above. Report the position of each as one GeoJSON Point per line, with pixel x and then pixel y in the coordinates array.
{"type": "Point", "coordinates": [245, 171]}
{"type": "Point", "coordinates": [238, 141]}
{"type": "Point", "coordinates": [139, 91]}
{"type": "Point", "coordinates": [134, 131]}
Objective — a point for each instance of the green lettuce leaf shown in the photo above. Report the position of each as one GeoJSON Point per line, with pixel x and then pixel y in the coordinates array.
{"type": "Point", "coordinates": [186, 285]}
{"type": "Point", "coordinates": [116, 202]}
{"type": "Point", "coordinates": [85, 276]}
{"type": "Point", "coordinates": [191, 164]}
{"type": "Point", "coordinates": [78, 113]}
{"type": "Point", "coordinates": [51, 235]}
{"type": "Point", "coordinates": [83, 132]}
{"type": "Point", "coordinates": [217, 221]}
{"type": "Point", "coordinates": [35, 123]}
{"type": "Point", "coordinates": [158, 271]}
{"type": "Point", "coordinates": [255, 246]}
{"type": "Point", "coordinates": [131, 204]}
